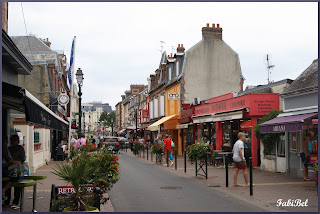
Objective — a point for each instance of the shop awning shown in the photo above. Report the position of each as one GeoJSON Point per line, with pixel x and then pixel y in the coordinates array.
{"type": "Point", "coordinates": [285, 124]}
{"type": "Point", "coordinates": [183, 126]}
{"type": "Point", "coordinates": [121, 131]}
{"type": "Point", "coordinates": [246, 125]}
{"type": "Point", "coordinates": [203, 118]}
{"type": "Point", "coordinates": [39, 114]}
{"type": "Point", "coordinates": [155, 126]}
{"type": "Point", "coordinates": [228, 116]}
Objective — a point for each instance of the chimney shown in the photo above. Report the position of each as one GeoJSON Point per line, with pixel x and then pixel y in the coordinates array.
{"type": "Point", "coordinates": [209, 33]}
{"type": "Point", "coordinates": [180, 49]}
{"type": "Point", "coordinates": [47, 42]}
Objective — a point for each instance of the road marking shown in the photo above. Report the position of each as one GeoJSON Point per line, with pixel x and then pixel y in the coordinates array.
{"type": "Point", "coordinates": [269, 184]}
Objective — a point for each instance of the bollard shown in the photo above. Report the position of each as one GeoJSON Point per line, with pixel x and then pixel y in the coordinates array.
{"type": "Point", "coordinates": [167, 157]}
{"type": "Point", "coordinates": [207, 166]}
{"type": "Point", "coordinates": [185, 161]}
{"type": "Point", "coordinates": [196, 167]}
{"type": "Point", "coordinates": [97, 198]}
{"type": "Point", "coordinates": [175, 159]}
{"type": "Point", "coordinates": [126, 148]}
{"type": "Point", "coordinates": [251, 183]}
{"type": "Point", "coordinates": [147, 152]}
{"type": "Point", "coordinates": [143, 152]}
{"type": "Point", "coordinates": [227, 174]}
{"type": "Point", "coordinates": [151, 157]}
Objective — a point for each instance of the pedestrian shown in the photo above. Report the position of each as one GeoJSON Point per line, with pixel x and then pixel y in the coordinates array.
{"type": "Point", "coordinates": [149, 141]}
{"type": "Point", "coordinates": [167, 148]}
{"type": "Point", "coordinates": [93, 140]}
{"type": "Point", "coordinates": [73, 140]}
{"type": "Point", "coordinates": [305, 155]}
{"type": "Point", "coordinates": [239, 160]}
{"type": "Point", "coordinates": [18, 154]}
{"type": "Point", "coordinates": [82, 141]}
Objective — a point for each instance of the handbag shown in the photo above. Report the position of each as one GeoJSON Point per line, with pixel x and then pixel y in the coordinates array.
{"type": "Point", "coordinates": [172, 143]}
{"type": "Point", "coordinates": [171, 156]}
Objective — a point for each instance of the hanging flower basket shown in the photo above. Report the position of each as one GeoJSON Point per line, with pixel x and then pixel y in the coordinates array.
{"type": "Point", "coordinates": [199, 151]}
{"type": "Point", "coordinates": [157, 148]}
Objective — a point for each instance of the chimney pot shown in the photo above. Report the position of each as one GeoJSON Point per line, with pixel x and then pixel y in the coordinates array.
{"type": "Point", "coordinates": [218, 26]}
{"type": "Point", "coordinates": [213, 25]}
{"type": "Point", "coordinates": [182, 45]}
{"type": "Point", "coordinates": [207, 24]}
{"type": "Point", "coordinates": [47, 39]}
{"type": "Point", "coordinates": [178, 45]}
{"type": "Point", "coordinates": [168, 56]}
{"type": "Point", "coordinates": [171, 54]}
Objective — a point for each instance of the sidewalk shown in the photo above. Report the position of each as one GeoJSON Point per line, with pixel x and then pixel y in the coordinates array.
{"type": "Point", "coordinates": [268, 188]}
{"type": "Point", "coordinates": [44, 190]}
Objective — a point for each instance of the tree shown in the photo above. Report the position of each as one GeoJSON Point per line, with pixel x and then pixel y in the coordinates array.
{"type": "Point", "coordinates": [269, 140]}
{"type": "Point", "coordinates": [105, 118]}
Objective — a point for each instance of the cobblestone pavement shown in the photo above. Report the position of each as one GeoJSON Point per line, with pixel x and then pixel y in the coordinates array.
{"type": "Point", "coordinates": [268, 188]}
{"type": "Point", "coordinates": [44, 192]}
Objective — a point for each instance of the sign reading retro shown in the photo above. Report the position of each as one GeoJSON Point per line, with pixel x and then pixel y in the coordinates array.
{"type": "Point", "coordinates": [173, 96]}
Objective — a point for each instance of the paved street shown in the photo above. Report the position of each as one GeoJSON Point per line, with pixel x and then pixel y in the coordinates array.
{"type": "Point", "coordinates": [144, 187]}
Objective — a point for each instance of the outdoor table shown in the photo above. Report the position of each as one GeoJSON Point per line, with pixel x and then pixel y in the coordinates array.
{"type": "Point", "coordinates": [34, 198]}
{"type": "Point", "coordinates": [224, 157]}
{"type": "Point", "coordinates": [23, 184]}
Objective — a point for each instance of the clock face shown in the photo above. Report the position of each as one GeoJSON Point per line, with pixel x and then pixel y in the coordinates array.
{"type": "Point", "coordinates": [63, 99]}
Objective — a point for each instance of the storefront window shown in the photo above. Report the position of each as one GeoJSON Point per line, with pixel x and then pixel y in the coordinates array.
{"type": "Point", "coordinates": [281, 146]}
{"type": "Point", "coordinates": [294, 141]}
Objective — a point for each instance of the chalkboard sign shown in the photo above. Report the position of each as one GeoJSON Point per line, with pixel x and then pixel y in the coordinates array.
{"type": "Point", "coordinates": [60, 196]}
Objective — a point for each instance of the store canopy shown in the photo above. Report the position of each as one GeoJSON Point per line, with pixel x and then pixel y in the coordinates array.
{"type": "Point", "coordinates": [155, 126]}
{"type": "Point", "coordinates": [121, 131]}
{"type": "Point", "coordinates": [285, 124]}
{"type": "Point", "coordinates": [246, 125]}
{"type": "Point", "coordinates": [39, 114]}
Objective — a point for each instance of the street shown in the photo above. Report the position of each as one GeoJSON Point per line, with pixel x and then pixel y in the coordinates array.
{"type": "Point", "coordinates": [144, 187]}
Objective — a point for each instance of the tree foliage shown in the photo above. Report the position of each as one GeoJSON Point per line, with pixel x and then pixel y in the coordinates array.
{"type": "Point", "coordinates": [269, 140]}
{"type": "Point", "coordinates": [106, 118]}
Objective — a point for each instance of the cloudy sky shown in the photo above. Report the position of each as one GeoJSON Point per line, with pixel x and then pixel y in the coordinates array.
{"type": "Point", "coordinates": [118, 44]}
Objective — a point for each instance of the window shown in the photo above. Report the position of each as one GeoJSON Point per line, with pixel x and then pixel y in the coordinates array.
{"type": "Point", "coordinates": [281, 146]}
{"type": "Point", "coordinates": [294, 141]}
{"type": "Point", "coordinates": [177, 68]}
{"type": "Point", "coordinates": [169, 73]}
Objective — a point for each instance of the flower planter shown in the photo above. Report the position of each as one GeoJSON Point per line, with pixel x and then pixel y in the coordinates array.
{"type": "Point", "coordinates": [91, 209]}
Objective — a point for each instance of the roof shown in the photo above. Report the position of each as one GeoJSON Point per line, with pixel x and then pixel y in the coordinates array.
{"type": "Point", "coordinates": [263, 89]}
{"type": "Point", "coordinates": [12, 56]}
{"type": "Point", "coordinates": [163, 58]}
{"type": "Point", "coordinates": [22, 42]}
{"type": "Point", "coordinates": [306, 81]}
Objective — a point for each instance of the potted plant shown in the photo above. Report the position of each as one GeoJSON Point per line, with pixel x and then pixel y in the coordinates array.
{"type": "Point", "coordinates": [137, 146]}
{"type": "Point", "coordinates": [89, 165]}
{"type": "Point", "coordinates": [200, 151]}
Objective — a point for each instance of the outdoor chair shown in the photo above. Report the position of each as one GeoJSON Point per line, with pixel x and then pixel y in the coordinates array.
{"type": "Point", "coordinates": [60, 154]}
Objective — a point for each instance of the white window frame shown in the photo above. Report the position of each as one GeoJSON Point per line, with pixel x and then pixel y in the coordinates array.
{"type": "Point", "coordinates": [177, 68]}
{"type": "Point", "coordinates": [170, 72]}
{"type": "Point", "coordinates": [161, 105]}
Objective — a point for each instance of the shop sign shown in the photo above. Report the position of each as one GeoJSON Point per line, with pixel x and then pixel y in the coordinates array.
{"type": "Point", "coordinates": [228, 117]}
{"type": "Point", "coordinates": [182, 126]}
{"type": "Point", "coordinates": [203, 119]}
{"type": "Point", "coordinates": [64, 192]}
{"type": "Point", "coordinates": [145, 114]}
{"type": "Point", "coordinates": [173, 96]}
{"type": "Point", "coordinates": [314, 121]}
{"type": "Point", "coordinates": [258, 104]}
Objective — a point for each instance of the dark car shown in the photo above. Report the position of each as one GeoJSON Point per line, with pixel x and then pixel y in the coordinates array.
{"type": "Point", "coordinates": [112, 144]}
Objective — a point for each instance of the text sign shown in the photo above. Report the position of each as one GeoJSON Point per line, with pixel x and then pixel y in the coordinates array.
{"type": "Point", "coordinates": [64, 192]}
{"type": "Point", "coordinates": [173, 96]}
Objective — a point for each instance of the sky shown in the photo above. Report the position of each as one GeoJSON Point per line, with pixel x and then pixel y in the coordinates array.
{"type": "Point", "coordinates": [118, 44]}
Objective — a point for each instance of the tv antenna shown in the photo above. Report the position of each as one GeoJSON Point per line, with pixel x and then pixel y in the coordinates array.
{"type": "Point", "coordinates": [162, 42]}
{"type": "Point", "coordinates": [269, 67]}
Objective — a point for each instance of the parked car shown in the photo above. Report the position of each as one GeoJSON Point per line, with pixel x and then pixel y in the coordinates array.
{"type": "Point", "coordinates": [124, 142]}
{"type": "Point", "coordinates": [112, 144]}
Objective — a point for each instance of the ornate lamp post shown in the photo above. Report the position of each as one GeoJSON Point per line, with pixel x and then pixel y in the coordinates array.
{"type": "Point", "coordinates": [79, 76]}
{"type": "Point", "coordinates": [111, 126]}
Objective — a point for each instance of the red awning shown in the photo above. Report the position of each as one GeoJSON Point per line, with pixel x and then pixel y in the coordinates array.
{"type": "Point", "coordinates": [246, 125]}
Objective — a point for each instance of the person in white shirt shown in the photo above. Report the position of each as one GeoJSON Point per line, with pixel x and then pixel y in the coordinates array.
{"type": "Point", "coordinates": [239, 160]}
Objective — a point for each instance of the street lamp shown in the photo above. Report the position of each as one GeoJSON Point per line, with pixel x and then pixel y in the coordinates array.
{"type": "Point", "coordinates": [79, 76]}
{"type": "Point", "coordinates": [136, 117]}
{"type": "Point", "coordinates": [111, 126]}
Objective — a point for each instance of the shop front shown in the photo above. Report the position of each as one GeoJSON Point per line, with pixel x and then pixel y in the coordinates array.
{"type": "Point", "coordinates": [187, 131]}
{"type": "Point", "coordinates": [295, 127]}
{"type": "Point", "coordinates": [221, 121]}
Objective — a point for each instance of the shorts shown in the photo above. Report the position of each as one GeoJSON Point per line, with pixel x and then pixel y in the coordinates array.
{"type": "Point", "coordinates": [305, 159]}
{"type": "Point", "coordinates": [240, 165]}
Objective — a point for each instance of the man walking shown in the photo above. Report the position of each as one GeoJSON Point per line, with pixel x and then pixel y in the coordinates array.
{"type": "Point", "coordinates": [167, 147]}
{"type": "Point", "coordinates": [239, 160]}
{"type": "Point", "coordinates": [82, 141]}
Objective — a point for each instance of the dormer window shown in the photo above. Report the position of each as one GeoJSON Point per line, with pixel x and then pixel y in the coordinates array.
{"type": "Point", "coordinates": [170, 73]}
